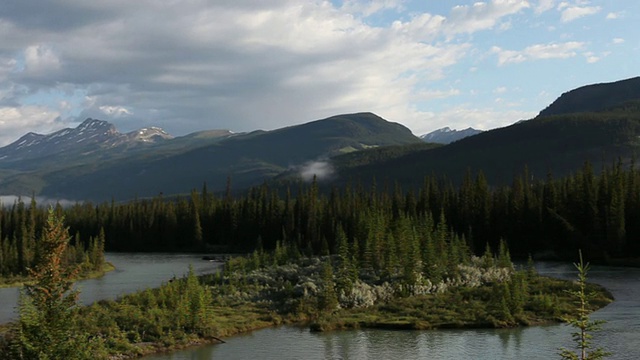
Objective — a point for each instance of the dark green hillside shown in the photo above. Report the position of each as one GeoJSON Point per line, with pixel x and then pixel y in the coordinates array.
{"type": "Point", "coordinates": [557, 144]}
{"type": "Point", "coordinates": [247, 158]}
{"type": "Point", "coordinates": [596, 97]}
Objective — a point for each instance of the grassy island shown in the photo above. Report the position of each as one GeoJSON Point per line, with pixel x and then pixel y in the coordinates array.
{"type": "Point", "coordinates": [257, 291]}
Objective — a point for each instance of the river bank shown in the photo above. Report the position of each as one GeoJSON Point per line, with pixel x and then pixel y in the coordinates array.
{"type": "Point", "coordinates": [19, 281]}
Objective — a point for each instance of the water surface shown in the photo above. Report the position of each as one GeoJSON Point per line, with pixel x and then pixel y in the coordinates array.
{"type": "Point", "coordinates": [133, 272]}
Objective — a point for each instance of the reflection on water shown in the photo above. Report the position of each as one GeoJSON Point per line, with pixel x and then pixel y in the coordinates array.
{"type": "Point", "coordinates": [133, 272]}
{"type": "Point", "coordinates": [291, 343]}
{"type": "Point", "coordinates": [620, 334]}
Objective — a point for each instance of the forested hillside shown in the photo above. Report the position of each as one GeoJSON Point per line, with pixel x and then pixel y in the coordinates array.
{"type": "Point", "coordinates": [595, 97]}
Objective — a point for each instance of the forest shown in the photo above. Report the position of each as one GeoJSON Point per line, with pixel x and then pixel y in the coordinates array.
{"type": "Point", "coordinates": [546, 218]}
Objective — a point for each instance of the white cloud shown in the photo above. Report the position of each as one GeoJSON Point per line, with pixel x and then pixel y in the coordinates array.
{"type": "Point", "coordinates": [40, 59]}
{"type": "Point", "coordinates": [368, 8]}
{"type": "Point", "coordinates": [614, 15]}
{"type": "Point", "coordinates": [481, 15]}
{"type": "Point", "coordinates": [463, 19]}
{"type": "Point", "coordinates": [591, 59]}
{"type": "Point", "coordinates": [544, 5]}
{"type": "Point", "coordinates": [13, 121]}
{"type": "Point", "coordinates": [115, 111]}
{"type": "Point", "coordinates": [538, 52]}
{"type": "Point", "coordinates": [571, 13]}
{"type": "Point", "coordinates": [500, 90]}
{"type": "Point", "coordinates": [618, 41]}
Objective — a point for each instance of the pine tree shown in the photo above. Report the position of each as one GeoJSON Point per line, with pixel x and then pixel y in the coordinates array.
{"type": "Point", "coordinates": [46, 328]}
{"type": "Point", "coordinates": [581, 322]}
{"type": "Point", "coordinates": [328, 299]}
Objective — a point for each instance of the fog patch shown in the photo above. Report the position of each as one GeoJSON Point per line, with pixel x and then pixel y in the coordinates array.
{"type": "Point", "coordinates": [9, 200]}
{"type": "Point", "coordinates": [322, 170]}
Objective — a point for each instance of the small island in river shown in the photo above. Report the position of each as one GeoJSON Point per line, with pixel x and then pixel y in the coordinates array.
{"type": "Point", "coordinates": [327, 293]}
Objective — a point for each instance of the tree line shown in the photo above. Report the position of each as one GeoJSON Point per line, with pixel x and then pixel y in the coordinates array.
{"type": "Point", "coordinates": [21, 241]}
{"type": "Point", "coordinates": [589, 210]}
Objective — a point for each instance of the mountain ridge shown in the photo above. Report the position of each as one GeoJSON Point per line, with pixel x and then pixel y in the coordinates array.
{"type": "Point", "coordinates": [594, 97]}
{"type": "Point", "coordinates": [177, 165]}
{"type": "Point", "coordinates": [89, 136]}
{"type": "Point", "coordinates": [446, 135]}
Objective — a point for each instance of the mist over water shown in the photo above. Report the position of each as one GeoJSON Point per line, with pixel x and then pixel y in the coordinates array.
{"type": "Point", "coordinates": [9, 200]}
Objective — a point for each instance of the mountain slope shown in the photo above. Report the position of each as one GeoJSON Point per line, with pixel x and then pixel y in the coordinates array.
{"type": "Point", "coordinates": [557, 144]}
{"type": "Point", "coordinates": [247, 158]}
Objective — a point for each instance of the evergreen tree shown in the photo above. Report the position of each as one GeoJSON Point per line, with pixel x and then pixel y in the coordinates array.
{"type": "Point", "coordinates": [581, 322]}
{"type": "Point", "coordinates": [46, 328]}
{"type": "Point", "coordinates": [328, 299]}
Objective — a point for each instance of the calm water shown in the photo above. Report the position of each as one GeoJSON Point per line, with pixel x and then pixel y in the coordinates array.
{"type": "Point", "coordinates": [621, 334]}
{"type": "Point", "coordinates": [133, 272]}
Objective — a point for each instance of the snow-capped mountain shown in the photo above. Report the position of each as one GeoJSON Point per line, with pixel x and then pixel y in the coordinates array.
{"type": "Point", "coordinates": [446, 135]}
{"type": "Point", "coordinates": [89, 136]}
{"type": "Point", "coordinates": [149, 135]}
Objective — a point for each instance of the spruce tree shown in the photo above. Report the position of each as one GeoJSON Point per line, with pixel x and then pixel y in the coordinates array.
{"type": "Point", "coordinates": [581, 322]}
{"type": "Point", "coordinates": [46, 327]}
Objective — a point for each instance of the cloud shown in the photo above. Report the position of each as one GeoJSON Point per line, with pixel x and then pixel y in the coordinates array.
{"type": "Point", "coordinates": [39, 59]}
{"type": "Point", "coordinates": [500, 90]}
{"type": "Point", "coordinates": [481, 16]}
{"type": "Point", "coordinates": [544, 5]}
{"type": "Point", "coordinates": [570, 13]}
{"type": "Point", "coordinates": [614, 15]}
{"type": "Point", "coordinates": [538, 52]}
{"type": "Point", "coordinates": [368, 8]}
{"type": "Point", "coordinates": [187, 66]}
{"type": "Point", "coordinates": [618, 41]}
{"type": "Point", "coordinates": [114, 111]}
{"type": "Point", "coordinates": [13, 121]}
{"type": "Point", "coordinates": [321, 170]}
{"type": "Point", "coordinates": [593, 58]}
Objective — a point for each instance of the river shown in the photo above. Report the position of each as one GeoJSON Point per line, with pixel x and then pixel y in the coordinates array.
{"type": "Point", "coordinates": [133, 272]}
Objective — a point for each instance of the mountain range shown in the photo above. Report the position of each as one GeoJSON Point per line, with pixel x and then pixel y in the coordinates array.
{"type": "Point", "coordinates": [95, 162]}
{"type": "Point", "coordinates": [598, 123]}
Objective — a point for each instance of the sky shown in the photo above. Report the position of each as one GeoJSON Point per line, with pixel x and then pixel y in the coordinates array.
{"type": "Point", "coordinates": [242, 65]}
